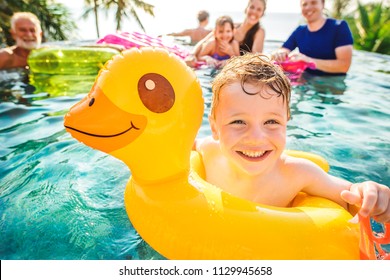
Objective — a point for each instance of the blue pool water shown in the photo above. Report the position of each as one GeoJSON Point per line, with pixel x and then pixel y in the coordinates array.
{"type": "Point", "coordinates": [62, 200]}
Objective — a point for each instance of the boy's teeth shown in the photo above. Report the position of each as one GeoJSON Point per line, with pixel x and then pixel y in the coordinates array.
{"type": "Point", "coordinates": [253, 153]}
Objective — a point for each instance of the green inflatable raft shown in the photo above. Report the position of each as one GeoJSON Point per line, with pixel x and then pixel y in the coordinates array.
{"type": "Point", "coordinates": [69, 60]}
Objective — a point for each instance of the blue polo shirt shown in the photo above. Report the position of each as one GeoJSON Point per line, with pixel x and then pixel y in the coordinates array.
{"type": "Point", "coordinates": [322, 43]}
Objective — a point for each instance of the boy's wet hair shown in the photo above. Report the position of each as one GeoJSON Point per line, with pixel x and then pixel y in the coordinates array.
{"type": "Point", "coordinates": [253, 69]}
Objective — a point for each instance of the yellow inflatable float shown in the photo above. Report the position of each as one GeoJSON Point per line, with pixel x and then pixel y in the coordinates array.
{"type": "Point", "coordinates": [145, 109]}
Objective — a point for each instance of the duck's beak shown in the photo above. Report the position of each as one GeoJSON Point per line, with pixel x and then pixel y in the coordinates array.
{"type": "Point", "coordinates": [100, 124]}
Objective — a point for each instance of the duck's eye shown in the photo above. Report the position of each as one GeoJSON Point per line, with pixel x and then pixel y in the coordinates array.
{"type": "Point", "coordinates": [91, 101]}
{"type": "Point", "coordinates": [156, 92]}
{"type": "Point", "coordinates": [150, 85]}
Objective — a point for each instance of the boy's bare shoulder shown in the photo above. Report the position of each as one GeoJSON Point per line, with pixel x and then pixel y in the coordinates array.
{"type": "Point", "coordinates": [207, 146]}
{"type": "Point", "coordinates": [297, 165]}
{"type": "Point", "coordinates": [206, 143]}
{"type": "Point", "coordinates": [302, 173]}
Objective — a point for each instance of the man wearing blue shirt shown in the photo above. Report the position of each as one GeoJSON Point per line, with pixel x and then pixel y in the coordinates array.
{"type": "Point", "coordinates": [326, 42]}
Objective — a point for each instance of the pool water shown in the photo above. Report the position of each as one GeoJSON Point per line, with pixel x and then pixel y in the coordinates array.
{"type": "Point", "coordinates": [60, 199]}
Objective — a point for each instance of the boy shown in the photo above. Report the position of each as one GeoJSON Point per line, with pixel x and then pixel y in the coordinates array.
{"type": "Point", "coordinates": [244, 156]}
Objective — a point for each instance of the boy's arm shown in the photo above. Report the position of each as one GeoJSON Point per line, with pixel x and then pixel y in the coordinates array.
{"type": "Point", "coordinates": [311, 179]}
{"type": "Point", "coordinates": [368, 198]}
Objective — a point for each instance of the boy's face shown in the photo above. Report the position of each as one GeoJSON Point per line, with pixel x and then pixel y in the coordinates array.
{"type": "Point", "coordinates": [251, 129]}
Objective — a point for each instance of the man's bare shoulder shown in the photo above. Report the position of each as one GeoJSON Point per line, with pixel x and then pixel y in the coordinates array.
{"type": "Point", "coordinates": [6, 57]}
{"type": "Point", "coordinates": [7, 51]}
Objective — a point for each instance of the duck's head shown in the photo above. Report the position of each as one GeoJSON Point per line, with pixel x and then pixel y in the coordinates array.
{"type": "Point", "coordinates": [145, 108]}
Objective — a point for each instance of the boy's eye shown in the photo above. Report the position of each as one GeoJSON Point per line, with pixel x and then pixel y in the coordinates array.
{"type": "Point", "coordinates": [272, 122]}
{"type": "Point", "coordinates": [238, 122]}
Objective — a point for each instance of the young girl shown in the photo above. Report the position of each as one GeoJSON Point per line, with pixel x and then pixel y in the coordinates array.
{"type": "Point", "coordinates": [248, 119]}
{"type": "Point", "coordinates": [223, 46]}
{"type": "Point", "coordinates": [250, 33]}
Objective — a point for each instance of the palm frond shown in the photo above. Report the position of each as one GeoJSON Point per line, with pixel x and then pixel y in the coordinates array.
{"type": "Point", "coordinates": [363, 15]}
{"type": "Point", "coordinates": [137, 19]}
{"type": "Point", "coordinates": [377, 14]}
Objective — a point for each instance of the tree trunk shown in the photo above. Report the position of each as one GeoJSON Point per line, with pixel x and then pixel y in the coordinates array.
{"type": "Point", "coordinates": [95, 10]}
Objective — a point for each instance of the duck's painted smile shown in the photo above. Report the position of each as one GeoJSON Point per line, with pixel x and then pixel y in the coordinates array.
{"type": "Point", "coordinates": [132, 126]}
{"type": "Point", "coordinates": [100, 124]}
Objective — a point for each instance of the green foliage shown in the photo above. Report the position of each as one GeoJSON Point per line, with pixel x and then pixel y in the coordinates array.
{"type": "Point", "coordinates": [371, 27]}
{"type": "Point", "coordinates": [339, 7]}
{"type": "Point", "coordinates": [123, 9]}
{"type": "Point", "coordinates": [55, 18]}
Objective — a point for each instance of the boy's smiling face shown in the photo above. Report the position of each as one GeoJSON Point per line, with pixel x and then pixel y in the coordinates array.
{"type": "Point", "coordinates": [251, 128]}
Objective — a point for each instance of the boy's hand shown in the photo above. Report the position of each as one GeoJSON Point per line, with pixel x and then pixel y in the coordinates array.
{"type": "Point", "coordinates": [372, 198]}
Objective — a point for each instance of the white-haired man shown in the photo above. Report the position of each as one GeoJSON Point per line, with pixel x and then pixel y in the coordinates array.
{"type": "Point", "coordinates": [27, 33]}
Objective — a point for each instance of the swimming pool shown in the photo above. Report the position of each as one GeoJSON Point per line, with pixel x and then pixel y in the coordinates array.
{"type": "Point", "coordinates": [62, 200]}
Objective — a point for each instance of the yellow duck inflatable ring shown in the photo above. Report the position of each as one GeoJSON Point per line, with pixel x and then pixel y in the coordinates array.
{"type": "Point", "coordinates": [145, 109]}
